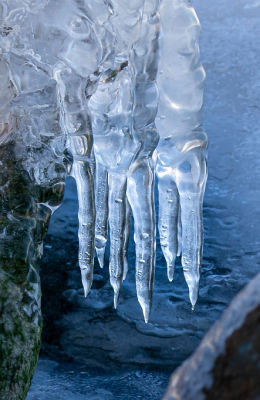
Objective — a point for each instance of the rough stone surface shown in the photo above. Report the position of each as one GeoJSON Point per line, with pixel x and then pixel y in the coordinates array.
{"type": "Point", "coordinates": [20, 341]}
{"type": "Point", "coordinates": [226, 365]}
{"type": "Point", "coordinates": [23, 224]}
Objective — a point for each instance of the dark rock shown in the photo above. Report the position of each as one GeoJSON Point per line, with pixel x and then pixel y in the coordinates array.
{"type": "Point", "coordinates": [226, 365]}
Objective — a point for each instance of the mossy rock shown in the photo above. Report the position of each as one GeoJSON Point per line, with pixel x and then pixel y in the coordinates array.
{"type": "Point", "coordinates": [24, 221]}
{"type": "Point", "coordinates": [20, 341]}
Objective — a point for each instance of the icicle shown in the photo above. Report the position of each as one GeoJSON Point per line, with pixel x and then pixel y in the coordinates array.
{"type": "Point", "coordinates": [117, 218]}
{"type": "Point", "coordinates": [181, 153]}
{"type": "Point", "coordinates": [76, 124]}
{"type": "Point", "coordinates": [179, 232]}
{"type": "Point", "coordinates": [86, 215]}
{"type": "Point", "coordinates": [168, 223]}
{"type": "Point", "coordinates": [141, 197]}
{"type": "Point", "coordinates": [111, 112]}
{"type": "Point", "coordinates": [127, 236]}
{"type": "Point", "coordinates": [141, 175]}
{"type": "Point", "coordinates": [101, 212]}
{"type": "Point", "coordinates": [105, 56]}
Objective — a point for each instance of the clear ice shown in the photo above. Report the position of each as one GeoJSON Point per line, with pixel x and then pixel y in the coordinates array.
{"type": "Point", "coordinates": [110, 93]}
{"type": "Point", "coordinates": [181, 153]}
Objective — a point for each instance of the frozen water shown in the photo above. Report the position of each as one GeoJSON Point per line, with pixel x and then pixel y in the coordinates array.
{"type": "Point", "coordinates": [181, 152]}
{"type": "Point", "coordinates": [123, 111]}
{"type": "Point", "coordinates": [101, 60]}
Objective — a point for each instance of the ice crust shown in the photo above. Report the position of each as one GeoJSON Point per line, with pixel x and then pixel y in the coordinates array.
{"type": "Point", "coordinates": [113, 92]}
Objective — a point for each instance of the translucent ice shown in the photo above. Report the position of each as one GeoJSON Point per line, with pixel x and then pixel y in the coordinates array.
{"type": "Point", "coordinates": [181, 153]}
{"type": "Point", "coordinates": [123, 111]}
{"type": "Point", "coordinates": [80, 87]}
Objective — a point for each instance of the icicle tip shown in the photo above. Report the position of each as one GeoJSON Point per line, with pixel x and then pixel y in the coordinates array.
{"type": "Point", "coordinates": [146, 312]}
{"type": "Point", "coordinates": [116, 296]}
{"type": "Point", "coordinates": [101, 256]}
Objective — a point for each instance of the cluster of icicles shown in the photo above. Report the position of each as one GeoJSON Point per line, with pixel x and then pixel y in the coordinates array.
{"type": "Point", "coordinates": [130, 90]}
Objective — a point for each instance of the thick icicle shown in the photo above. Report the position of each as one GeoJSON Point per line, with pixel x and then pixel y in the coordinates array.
{"type": "Point", "coordinates": [192, 245]}
{"type": "Point", "coordinates": [114, 148]}
{"type": "Point", "coordinates": [86, 233]}
{"type": "Point", "coordinates": [76, 124]}
{"type": "Point", "coordinates": [191, 186]}
{"type": "Point", "coordinates": [168, 223]}
{"type": "Point", "coordinates": [101, 212]}
{"type": "Point", "coordinates": [117, 218]}
{"type": "Point", "coordinates": [141, 175]}
{"type": "Point", "coordinates": [140, 192]}
{"type": "Point", "coordinates": [181, 153]}
{"type": "Point", "coordinates": [111, 111]}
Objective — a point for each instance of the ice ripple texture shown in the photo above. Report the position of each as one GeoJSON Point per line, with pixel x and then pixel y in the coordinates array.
{"type": "Point", "coordinates": [113, 92]}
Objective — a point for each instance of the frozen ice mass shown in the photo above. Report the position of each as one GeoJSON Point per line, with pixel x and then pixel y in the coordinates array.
{"type": "Point", "coordinates": [110, 93]}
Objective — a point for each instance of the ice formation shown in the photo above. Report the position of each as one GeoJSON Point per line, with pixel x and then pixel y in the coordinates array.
{"type": "Point", "coordinates": [123, 110]}
{"type": "Point", "coordinates": [181, 153]}
{"type": "Point", "coordinates": [110, 93]}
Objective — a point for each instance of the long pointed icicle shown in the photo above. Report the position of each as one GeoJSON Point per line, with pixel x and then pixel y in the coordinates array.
{"type": "Point", "coordinates": [101, 212]}
{"type": "Point", "coordinates": [140, 183]}
{"type": "Point", "coordinates": [75, 123]}
{"type": "Point", "coordinates": [168, 222]}
{"type": "Point", "coordinates": [86, 215]}
{"type": "Point", "coordinates": [191, 187]}
{"type": "Point", "coordinates": [192, 244]}
{"type": "Point", "coordinates": [141, 197]}
{"type": "Point", "coordinates": [117, 217]}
